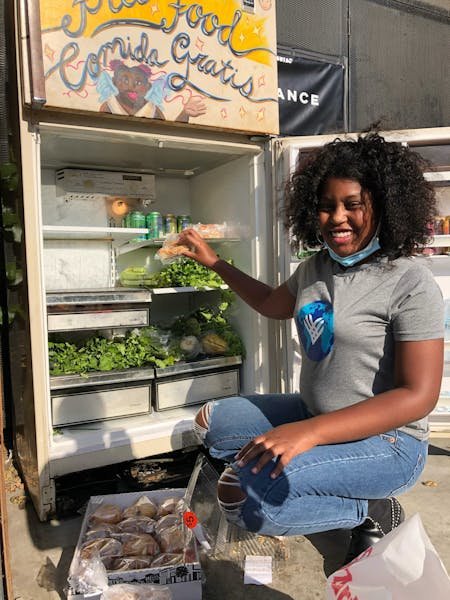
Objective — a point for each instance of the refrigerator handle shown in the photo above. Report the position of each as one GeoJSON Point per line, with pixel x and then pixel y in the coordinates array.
{"type": "Point", "coordinates": [35, 59]}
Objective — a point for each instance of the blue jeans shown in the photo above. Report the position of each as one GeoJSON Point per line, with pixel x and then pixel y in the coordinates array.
{"type": "Point", "coordinates": [324, 488]}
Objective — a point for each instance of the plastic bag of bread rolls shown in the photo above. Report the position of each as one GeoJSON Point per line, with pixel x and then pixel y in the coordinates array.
{"type": "Point", "coordinates": [170, 506]}
{"type": "Point", "coordinates": [165, 522]}
{"type": "Point", "coordinates": [129, 563]}
{"type": "Point", "coordinates": [167, 559]}
{"type": "Point", "coordinates": [101, 547]}
{"type": "Point", "coordinates": [136, 544]}
{"type": "Point", "coordinates": [101, 530]}
{"type": "Point", "coordinates": [106, 513]}
{"type": "Point", "coordinates": [173, 539]}
{"type": "Point", "coordinates": [143, 507]}
{"type": "Point", "coordinates": [137, 525]}
{"type": "Point", "coordinates": [126, 591]}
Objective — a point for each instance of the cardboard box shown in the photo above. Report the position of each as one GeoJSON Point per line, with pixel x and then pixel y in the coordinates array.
{"type": "Point", "coordinates": [184, 581]}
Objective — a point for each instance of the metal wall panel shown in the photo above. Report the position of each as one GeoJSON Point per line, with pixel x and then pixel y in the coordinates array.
{"type": "Point", "coordinates": [312, 25]}
{"type": "Point", "coordinates": [398, 67]}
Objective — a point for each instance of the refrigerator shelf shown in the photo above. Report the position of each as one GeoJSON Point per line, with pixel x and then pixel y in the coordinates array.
{"type": "Point", "coordinates": [69, 232]}
{"type": "Point", "coordinates": [131, 246]}
{"type": "Point", "coordinates": [117, 295]}
{"type": "Point", "coordinates": [97, 378]}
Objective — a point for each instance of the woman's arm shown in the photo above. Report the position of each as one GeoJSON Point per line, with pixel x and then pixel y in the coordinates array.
{"type": "Point", "coordinates": [275, 303]}
{"type": "Point", "coordinates": [418, 372]}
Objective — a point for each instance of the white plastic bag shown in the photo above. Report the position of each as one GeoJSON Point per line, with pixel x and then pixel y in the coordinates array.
{"type": "Point", "coordinates": [402, 566]}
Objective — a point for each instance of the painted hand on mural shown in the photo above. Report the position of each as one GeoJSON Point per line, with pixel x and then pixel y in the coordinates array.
{"type": "Point", "coordinates": [195, 107]}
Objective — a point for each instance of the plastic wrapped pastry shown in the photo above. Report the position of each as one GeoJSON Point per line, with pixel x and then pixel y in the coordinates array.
{"type": "Point", "coordinates": [173, 539]}
{"type": "Point", "coordinates": [136, 544]}
{"type": "Point", "coordinates": [100, 530]}
{"type": "Point", "coordinates": [170, 506]}
{"type": "Point", "coordinates": [167, 559]}
{"type": "Point", "coordinates": [126, 591]}
{"type": "Point", "coordinates": [143, 507]}
{"type": "Point", "coordinates": [106, 513]}
{"type": "Point", "coordinates": [101, 547]}
{"type": "Point", "coordinates": [165, 522]}
{"type": "Point", "coordinates": [137, 525]}
{"type": "Point", "coordinates": [130, 563]}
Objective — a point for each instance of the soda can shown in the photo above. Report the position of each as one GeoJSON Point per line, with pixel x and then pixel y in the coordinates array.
{"type": "Point", "coordinates": [126, 220]}
{"type": "Point", "coordinates": [137, 219]}
{"type": "Point", "coordinates": [155, 227]}
{"type": "Point", "coordinates": [183, 222]}
{"type": "Point", "coordinates": [170, 224]}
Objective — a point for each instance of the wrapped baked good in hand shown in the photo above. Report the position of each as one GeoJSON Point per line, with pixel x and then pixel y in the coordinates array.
{"type": "Point", "coordinates": [171, 250]}
{"type": "Point", "coordinates": [142, 507]}
{"type": "Point", "coordinates": [106, 513]}
{"type": "Point", "coordinates": [137, 524]}
{"type": "Point", "coordinates": [101, 547]}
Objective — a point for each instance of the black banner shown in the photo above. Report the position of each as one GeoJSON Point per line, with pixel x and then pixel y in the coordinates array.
{"type": "Point", "coordinates": [310, 96]}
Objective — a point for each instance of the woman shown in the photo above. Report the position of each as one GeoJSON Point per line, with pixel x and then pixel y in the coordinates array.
{"type": "Point", "coordinates": [370, 320]}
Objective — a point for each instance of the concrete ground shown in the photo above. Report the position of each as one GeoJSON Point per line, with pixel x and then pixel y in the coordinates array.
{"type": "Point", "coordinates": [40, 553]}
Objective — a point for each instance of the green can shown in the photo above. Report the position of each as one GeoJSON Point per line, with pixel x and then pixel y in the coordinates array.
{"type": "Point", "coordinates": [183, 222]}
{"type": "Point", "coordinates": [126, 220]}
{"type": "Point", "coordinates": [137, 219]}
{"type": "Point", "coordinates": [154, 223]}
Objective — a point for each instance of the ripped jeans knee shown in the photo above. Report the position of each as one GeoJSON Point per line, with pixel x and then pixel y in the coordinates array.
{"type": "Point", "coordinates": [230, 496]}
{"type": "Point", "coordinates": [201, 422]}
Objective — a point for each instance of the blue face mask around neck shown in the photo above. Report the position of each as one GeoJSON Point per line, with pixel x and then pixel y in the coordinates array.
{"type": "Point", "coordinates": [352, 259]}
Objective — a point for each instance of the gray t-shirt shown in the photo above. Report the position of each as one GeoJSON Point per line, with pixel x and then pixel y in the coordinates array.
{"type": "Point", "coordinates": [348, 321]}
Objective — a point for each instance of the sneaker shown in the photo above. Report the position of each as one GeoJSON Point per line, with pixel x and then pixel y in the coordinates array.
{"type": "Point", "coordinates": [383, 516]}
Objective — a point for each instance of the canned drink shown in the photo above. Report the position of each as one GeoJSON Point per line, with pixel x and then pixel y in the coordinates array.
{"type": "Point", "coordinates": [137, 219]}
{"type": "Point", "coordinates": [183, 222]}
{"type": "Point", "coordinates": [170, 224]}
{"type": "Point", "coordinates": [155, 227]}
{"type": "Point", "coordinates": [126, 220]}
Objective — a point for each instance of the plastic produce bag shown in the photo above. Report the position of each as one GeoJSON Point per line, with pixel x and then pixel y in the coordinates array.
{"type": "Point", "coordinates": [125, 591]}
{"type": "Point", "coordinates": [171, 251]}
{"type": "Point", "coordinates": [402, 566]}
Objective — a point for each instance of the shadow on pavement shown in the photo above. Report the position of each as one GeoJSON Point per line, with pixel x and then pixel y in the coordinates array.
{"type": "Point", "coordinates": [225, 580]}
{"type": "Point", "coordinates": [332, 545]}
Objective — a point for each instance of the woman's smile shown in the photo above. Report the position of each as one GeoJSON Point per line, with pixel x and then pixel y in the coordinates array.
{"type": "Point", "coordinates": [347, 220]}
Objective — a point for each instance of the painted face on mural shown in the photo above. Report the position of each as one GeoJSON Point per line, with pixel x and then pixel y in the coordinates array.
{"type": "Point", "coordinates": [265, 4]}
{"type": "Point", "coordinates": [133, 83]}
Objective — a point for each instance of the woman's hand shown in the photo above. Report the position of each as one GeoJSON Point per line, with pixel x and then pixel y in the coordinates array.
{"type": "Point", "coordinates": [202, 252]}
{"type": "Point", "coordinates": [284, 442]}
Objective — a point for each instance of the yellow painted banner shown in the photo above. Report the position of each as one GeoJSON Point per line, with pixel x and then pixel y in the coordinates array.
{"type": "Point", "coordinates": [210, 62]}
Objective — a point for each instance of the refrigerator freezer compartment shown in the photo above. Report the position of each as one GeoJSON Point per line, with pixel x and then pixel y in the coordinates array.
{"type": "Point", "coordinates": [64, 382]}
{"type": "Point", "coordinates": [184, 391]}
{"type": "Point", "coordinates": [100, 319]}
{"type": "Point", "coordinates": [62, 298]}
{"type": "Point", "coordinates": [99, 405]}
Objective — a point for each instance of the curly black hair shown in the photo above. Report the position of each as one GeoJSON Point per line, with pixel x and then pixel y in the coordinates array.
{"type": "Point", "coordinates": [390, 171]}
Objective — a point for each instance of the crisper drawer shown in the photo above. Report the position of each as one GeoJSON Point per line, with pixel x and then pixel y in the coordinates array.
{"type": "Point", "coordinates": [102, 319]}
{"type": "Point", "coordinates": [101, 404]}
{"type": "Point", "coordinates": [196, 389]}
